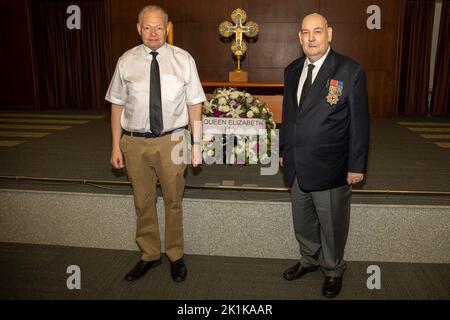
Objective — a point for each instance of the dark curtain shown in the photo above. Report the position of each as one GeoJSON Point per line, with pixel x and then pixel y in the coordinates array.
{"type": "Point", "coordinates": [73, 66]}
{"type": "Point", "coordinates": [415, 58]}
{"type": "Point", "coordinates": [440, 101]}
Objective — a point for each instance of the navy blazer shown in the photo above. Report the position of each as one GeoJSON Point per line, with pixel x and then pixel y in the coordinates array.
{"type": "Point", "coordinates": [320, 142]}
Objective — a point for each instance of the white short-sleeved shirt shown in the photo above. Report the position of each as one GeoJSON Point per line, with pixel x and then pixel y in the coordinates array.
{"type": "Point", "coordinates": [180, 87]}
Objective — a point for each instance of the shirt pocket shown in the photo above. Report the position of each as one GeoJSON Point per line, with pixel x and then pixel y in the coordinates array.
{"type": "Point", "coordinates": [172, 88]}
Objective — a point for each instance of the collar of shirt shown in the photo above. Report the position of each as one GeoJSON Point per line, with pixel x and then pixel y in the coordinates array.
{"type": "Point", "coordinates": [317, 64]}
{"type": "Point", "coordinates": [161, 51]}
{"type": "Point", "coordinates": [303, 75]}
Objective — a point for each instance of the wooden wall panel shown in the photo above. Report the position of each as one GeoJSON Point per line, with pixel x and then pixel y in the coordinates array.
{"type": "Point", "coordinates": [380, 91]}
{"type": "Point", "coordinates": [212, 74]}
{"type": "Point", "coordinates": [196, 23]}
{"type": "Point", "coordinates": [210, 53]}
{"type": "Point", "coordinates": [214, 11]}
{"type": "Point", "coordinates": [127, 11]}
{"type": "Point", "coordinates": [267, 75]}
{"type": "Point", "coordinates": [270, 11]}
{"type": "Point", "coordinates": [373, 50]}
{"type": "Point", "coordinates": [277, 46]}
{"type": "Point", "coordinates": [341, 11]}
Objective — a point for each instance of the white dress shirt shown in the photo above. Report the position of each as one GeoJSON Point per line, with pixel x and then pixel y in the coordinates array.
{"type": "Point", "coordinates": [315, 71]}
{"type": "Point", "coordinates": [180, 87]}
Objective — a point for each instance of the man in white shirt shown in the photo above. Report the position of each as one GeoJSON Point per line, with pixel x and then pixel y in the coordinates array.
{"type": "Point", "coordinates": [155, 93]}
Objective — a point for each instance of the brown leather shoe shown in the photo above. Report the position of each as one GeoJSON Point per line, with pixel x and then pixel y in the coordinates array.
{"type": "Point", "coordinates": [140, 269]}
{"type": "Point", "coordinates": [332, 287]}
{"type": "Point", "coordinates": [178, 270]}
{"type": "Point", "coordinates": [297, 271]}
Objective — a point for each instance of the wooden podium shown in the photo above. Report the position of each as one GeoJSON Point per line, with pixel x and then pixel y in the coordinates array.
{"type": "Point", "coordinates": [270, 93]}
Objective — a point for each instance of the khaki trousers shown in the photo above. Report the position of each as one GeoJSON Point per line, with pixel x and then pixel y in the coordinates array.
{"type": "Point", "coordinates": [146, 161]}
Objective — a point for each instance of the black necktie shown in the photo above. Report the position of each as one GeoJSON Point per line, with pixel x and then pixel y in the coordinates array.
{"type": "Point", "coordinates": [156, 120]}
{"type": "Point", "coordinates": [306, 85]}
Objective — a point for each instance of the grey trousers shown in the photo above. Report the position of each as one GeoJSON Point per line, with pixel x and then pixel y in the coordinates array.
{"type": "Point", "coordinates": [321, 222]}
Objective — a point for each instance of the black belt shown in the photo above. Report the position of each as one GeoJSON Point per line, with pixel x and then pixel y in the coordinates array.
{"type": "Point", "coordinates": [146, 134]}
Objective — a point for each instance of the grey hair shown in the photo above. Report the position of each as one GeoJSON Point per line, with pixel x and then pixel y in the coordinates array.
{"type": "Point", "coordinates": [153, 8]}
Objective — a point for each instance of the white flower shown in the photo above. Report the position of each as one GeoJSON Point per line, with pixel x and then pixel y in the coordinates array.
{"type": "Point", "coordinates": [224, 108]}
{"type": "Point", "coordinates": [222, 101]}
{"type": "Point", "coordinates": [210, 153]}
{"type": "Point", "coordinates": [255, 110]}
{"type": "Point", "coordinates": [264, 111]}
{"type": "Point", "coordinates": [250, 114]}
{"type": "Point", "coordinates": [235, 112]}
{"type": "Point", "coordinates": [207, 107]}
{"type": "Point", "coordinates": [222, 93]}
{"type": "Point", "coordinates": [234, 95]}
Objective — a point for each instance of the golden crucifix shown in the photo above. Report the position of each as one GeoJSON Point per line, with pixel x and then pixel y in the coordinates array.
{"type": "Point", "coordinates": [239, 46]}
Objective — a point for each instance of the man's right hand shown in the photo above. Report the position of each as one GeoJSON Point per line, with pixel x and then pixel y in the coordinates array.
{"type": "Point", "coordinates": [117, 159]}
{"type": "Point", "coordinates": [281, 162]}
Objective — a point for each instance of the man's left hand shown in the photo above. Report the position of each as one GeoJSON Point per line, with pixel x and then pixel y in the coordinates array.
{"type": "Point", "coordinates": [354, 178]}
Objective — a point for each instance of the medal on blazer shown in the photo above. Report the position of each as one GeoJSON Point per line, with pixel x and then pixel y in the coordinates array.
{"type": "Point", "coordinates": [334, 91]}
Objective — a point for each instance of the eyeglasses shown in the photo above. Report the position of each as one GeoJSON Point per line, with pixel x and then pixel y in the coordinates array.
{"type": "Point", "coordinates": [157, 29]}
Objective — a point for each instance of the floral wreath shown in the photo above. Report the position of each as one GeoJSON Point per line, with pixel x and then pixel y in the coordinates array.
{"type": "Point", "coordinates": [232, 103]}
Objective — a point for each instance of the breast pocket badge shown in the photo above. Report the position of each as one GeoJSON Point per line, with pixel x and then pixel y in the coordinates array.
{"type": "Point", "coordinates": [334, 91]}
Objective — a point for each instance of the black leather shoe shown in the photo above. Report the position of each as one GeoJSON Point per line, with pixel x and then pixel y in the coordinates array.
{"type": "Point", "coordinates": [332, 286]}
{"type": "Point", "coordinates": [140, 269]}
{"type": "Point", "coordinates": [178, 270]}
{"type": "Point", "coordinates": [297, 271]}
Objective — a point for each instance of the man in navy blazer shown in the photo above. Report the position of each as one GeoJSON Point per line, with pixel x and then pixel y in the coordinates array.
{"type": "Point", "coordinates": [324, 139]}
